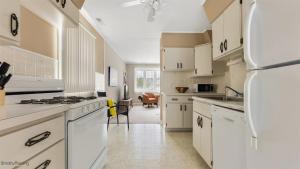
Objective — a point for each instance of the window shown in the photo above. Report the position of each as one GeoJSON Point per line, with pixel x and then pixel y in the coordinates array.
{"type": "Point", "coordinates": [147, 80]}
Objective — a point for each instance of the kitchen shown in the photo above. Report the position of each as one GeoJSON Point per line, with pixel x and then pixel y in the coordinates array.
{"type": "Point", "coordinates": [219, 85]}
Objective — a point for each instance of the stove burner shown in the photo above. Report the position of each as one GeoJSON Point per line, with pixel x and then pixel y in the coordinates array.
{"type": "Point", "coordinates": [58, 100]}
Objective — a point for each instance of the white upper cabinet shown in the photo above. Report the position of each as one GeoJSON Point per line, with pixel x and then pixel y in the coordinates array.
{"type": "Point", "coordinates": [10, 20]}
{"type": "Point", "coordinates": [178, 59]}
{"type": "Point", "coordinates": [203, 60]}
{"type": "Point", "coordinates": [227, 31]}
{"type": "Point", "coordinates": [233, 26]}
{"type": "Point", "coordinates": [218, 36]}
{"type": "Point", "coordinates": [68, 8]}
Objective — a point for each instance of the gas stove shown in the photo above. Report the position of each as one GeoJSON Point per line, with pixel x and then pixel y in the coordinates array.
{"type": "Point", "coordinates": [58, 100]}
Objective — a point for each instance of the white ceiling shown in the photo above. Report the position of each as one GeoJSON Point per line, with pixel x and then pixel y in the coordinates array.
{"type": "Point", "coordinates": [133, 38]}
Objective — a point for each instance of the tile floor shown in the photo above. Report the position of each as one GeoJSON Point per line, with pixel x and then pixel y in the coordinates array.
{"type": "Point", "coordinates": [140, 115]}
{"type": "Point", "coordinates": [148, 146]}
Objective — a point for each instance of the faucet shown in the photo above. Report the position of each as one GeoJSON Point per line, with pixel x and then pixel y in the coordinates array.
{"type": "Point", "coordinates": [237, 94]}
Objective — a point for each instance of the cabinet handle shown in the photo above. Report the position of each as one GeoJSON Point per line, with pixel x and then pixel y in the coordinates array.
{"type": "Point", "coordinates": [181, 65]}
{"type": "Point", "coordinates": [221, 47]}
{"type": "Point", "coordinates": [63, 3]}
{"type": "Point", "coordinates": [177, 65]}
{"type": "Point", "coordinates": [174, 99]}
{"type": "Point", "coordinates": [201, 122]}
{"type": "Point", "coordinates": [14, 19]}
{"type": "Point", "coordinates": [196, 71]}
{"type": "Point", "coordinates": [180, 107]}
{"type": "Point", "coordinates": [44, 165]}
{"type": "Point", "coordinates": [198, 121]}
{"type": "Point", "coordinates": [185, 108]}
{"type": "Point", "coordinates": [228, 119]}
{"type": "Point", "coordinates": [225, 45]}
{"type": "Point", "coordinates": [36, 139]}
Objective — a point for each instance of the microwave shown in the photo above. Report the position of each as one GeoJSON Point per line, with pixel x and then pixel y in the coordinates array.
{"type": "Point", "coordinates": [198, 88]}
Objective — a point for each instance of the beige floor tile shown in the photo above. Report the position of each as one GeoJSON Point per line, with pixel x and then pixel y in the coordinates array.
{"type": "Point", "coordinates": [148, 146]}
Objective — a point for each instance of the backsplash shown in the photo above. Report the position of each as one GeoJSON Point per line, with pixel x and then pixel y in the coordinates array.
{"type": "Point", "coordinates": [180, 79]}
{"type": "Point", "coordinates": [27, 63]}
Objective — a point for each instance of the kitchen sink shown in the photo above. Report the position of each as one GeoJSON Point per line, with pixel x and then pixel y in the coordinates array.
{"type": "Point", "coordinates": [229, 99]}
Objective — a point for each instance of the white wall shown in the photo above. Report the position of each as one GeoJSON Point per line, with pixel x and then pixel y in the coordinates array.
{"type": "Point", "coordinates": [234, 77]}
{"type": "Point", "coordinates": [130, 79]}
{"type": "Point", "coordinates": [170, 80]}
{"type": "Point", "coordinates": [114, 60]}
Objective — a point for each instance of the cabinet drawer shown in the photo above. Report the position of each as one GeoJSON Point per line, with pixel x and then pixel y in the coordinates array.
{"type": "Point", "coordinates": [53, 157]}
{"type": "Point", "coordinates": [24, 144]}
{"type": "Point", "coordinates": [179, 99]}
{"type": "Point", "coordinates": [202, 108]}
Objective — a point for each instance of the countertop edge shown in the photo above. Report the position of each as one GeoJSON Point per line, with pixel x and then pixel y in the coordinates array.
{"type": "Point", "coordinates": [229, 105]}
{"type": "Point", "coordinates": [19, 122]}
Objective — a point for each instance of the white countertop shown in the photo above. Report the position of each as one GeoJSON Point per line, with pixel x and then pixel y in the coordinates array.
{"type": "Point", "coordinates": [17, 110]}
{"type": "Point", "coordinates": [228, 104]}
{"type": "Point", "coordinates": [18, 116]}
{"type": "Point", "coordinates": [194, 94]}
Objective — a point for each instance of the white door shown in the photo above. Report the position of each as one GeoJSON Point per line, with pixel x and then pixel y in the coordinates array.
{"type": "Point", "coordinates": [228, 133]}
{"type": "Point", "coordinates": [174, 115]}
{"type": "Point", "coordinates": [272, 109]}
{"type": "Point", "coordinates": [205, 140]}
{"type": "Point", "coordinates": [272, 32]}
{"type": "Point", "coordinates": [188, 116]}
{"type": "Point", "coordinates": [10, 13]}
{"type": "Point", "coordinates": [87, 139]}
{"type": "Point", "coordinates": [217, 36]}
{"type": "Point", "coordinates": [233, 26]}
{"type": "Point", "coordinates": [203, 60]}
{"type": "Point", "coordinates": [196, 131]}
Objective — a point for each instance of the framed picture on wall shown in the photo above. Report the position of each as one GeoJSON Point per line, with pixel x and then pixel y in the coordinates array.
{"type": "Point", "coordinates": [112, 77]}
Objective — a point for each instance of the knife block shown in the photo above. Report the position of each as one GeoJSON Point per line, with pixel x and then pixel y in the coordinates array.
{"type": "Point", "coordinates": [2, 97]}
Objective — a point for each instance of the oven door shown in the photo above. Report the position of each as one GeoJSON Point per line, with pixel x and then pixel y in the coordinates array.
{"type": "Point", "coordinates": [87, 140]}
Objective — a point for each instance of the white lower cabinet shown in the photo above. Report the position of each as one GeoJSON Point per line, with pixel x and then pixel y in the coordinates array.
{"type": "Point", "coordinates": [25, 144]}
{"type": "Point", "coordinates": [52, 158]}
{"type": "Point", "coordinates": [179, 112]}
{"type": "Point", "coordinates": [174, 115]}
{"type": "Point", "coordinates": [202, 132]}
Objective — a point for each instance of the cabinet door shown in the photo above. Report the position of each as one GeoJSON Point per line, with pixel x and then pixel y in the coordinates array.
{"type": "Point", "coordinates": [217, 35]}
{"type": "Point", "coordinates": [174, 115]}
{"type": "Point", "coordinates": [10, 9]}
{"type": "Point", "coordinates": [71, 10]}
{"type": "Point", "coordinates": [187, 59]}
{"type": "Point", "coordinates": [203, 60]}
{"type": "Point", "coordinates": [178, 59]}
{"type": "Point", "coordinates": [205, 140]}
{"type": "Point", "coordinates": [233, 26]}
{"type": "Point", "coordinates": [196, 131]}
{"type": "Point", "coordinates": [171, 59]}
{"type": "Point", "coordinates": [188, 116]}
{"type": "Point", "coordinates": [52, 158]}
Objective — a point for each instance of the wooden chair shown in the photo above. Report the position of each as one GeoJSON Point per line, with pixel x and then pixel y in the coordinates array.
{"type": "Point", "coordinates": [116, 110]}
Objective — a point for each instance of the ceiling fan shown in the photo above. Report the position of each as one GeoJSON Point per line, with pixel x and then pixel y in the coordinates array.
{"type": "Point", "coordinates": [152, 5]}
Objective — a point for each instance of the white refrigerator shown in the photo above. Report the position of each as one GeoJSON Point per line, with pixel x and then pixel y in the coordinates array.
{"type": "Point", "coordinates": [272, 89]}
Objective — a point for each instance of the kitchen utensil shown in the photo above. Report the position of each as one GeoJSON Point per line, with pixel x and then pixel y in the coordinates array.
{"type": "Point", "coordinates": [4, 79]}
{"type": "Point", "coordinates": [4, 68]}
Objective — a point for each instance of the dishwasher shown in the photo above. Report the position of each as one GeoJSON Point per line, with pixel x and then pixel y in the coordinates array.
{"type": "Point", "coordinates": [229, 143]}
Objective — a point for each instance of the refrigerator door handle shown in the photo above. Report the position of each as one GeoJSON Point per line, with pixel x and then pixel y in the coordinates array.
{"type": "Point", "coordinates": [248, 24]}
{"type": "Point", "coordinates": [248, 110]}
